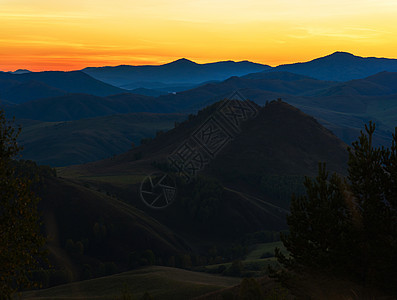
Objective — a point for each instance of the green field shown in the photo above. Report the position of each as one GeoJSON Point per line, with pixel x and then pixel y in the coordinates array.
{"type": "Point", "coordinates": [255, 263]}
{"type": "Point", "coordinates": [264, 248]}
{"type": "Point", "coordinates": [159, 282]}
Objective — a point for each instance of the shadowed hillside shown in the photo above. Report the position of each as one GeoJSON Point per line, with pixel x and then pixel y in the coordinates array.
{"type": "Point", "coordinates": [279, 146]}
{"type": "Point", "coordinates": [281, 140]}
{"type": "Point", "coordinates": [92, 234]}
{"type": "Point", "coordinates": [79, 106]}
{"type": "Point", "coordinates": [280, 130]}
{"type": "Point", "coordinates": [84, 140]}
{"type": "Point", "coordinates": [35, 85]}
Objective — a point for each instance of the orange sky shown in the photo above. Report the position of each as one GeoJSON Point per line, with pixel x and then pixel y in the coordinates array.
{"type": "Point", "coordinates": [68, 35]}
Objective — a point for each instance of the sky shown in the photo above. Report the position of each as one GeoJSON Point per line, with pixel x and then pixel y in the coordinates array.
{"type": "Point", "coordinates": [73, 34]}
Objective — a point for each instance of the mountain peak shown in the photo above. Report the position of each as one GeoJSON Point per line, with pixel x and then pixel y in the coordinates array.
{"type": "Point", "coordinates": [342, 53]}
{"type": "Point", "coordinates": [21, 71]}
{"type": "Point", "coordinates": [339, 55]}
{"type": "Point", "coordinates": [182, 61]}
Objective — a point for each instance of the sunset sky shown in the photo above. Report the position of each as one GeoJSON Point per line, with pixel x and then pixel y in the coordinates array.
{"type": "Point", "coordinates": [72, 34]}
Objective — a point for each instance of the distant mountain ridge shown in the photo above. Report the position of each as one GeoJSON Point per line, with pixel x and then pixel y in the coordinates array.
{"type": "Point", "coordinates": [340, 66]}
{"type": "Point", "coordinates": [179, 71]}
{"type": "Point", "coordinates": [21, 71]}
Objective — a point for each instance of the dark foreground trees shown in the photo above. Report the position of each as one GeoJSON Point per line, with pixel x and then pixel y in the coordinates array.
{"type": "Point", "coordinates": [348, 226]}
{"type": "Point", "coordinates": [20, 241]}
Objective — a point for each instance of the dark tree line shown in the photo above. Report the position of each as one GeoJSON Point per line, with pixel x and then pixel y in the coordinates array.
{"type": "Point", "coordinates": [348, 226]}
{"type": "Point", "coordinates": [21, 244]}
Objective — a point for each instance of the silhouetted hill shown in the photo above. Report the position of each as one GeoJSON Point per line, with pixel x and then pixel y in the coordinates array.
{"type": "Point", "coordinates": [277, 75]}
{"type": "Point", "coordinates": [383, 83]}
{"type": "Point", "coordinates": [179, 71]}
{"type": "Point", "coordinates": [274, 84]}
{"type": "Point", "coordinates": [78, 106]}
{"type": "Point", "coordinates": [21, 71]}
{"type": "Point", "coordinates": [107, 230]}
{"type": "Point", "coordinates": [281, 140]}
{"type": "Point", "coordinates": [81, 141]}
{"type": "Point", "coordinates": [273, 151]}
{"type": "Point", "coordinates": [19, 92]}
{"type": "Point", "coordinates": [68, 82]}
{"type": "Point", "coordinates": [341, 66]}
{"type": "Point", "coordinates": [342, 107]}
{"type": "Point", "coordinates": [164, 88]}
{"type": "Point", "coordinates": [148, 92]}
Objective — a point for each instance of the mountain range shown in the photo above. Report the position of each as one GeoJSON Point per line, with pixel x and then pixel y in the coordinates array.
{"type": "Point", "coordinates": [181, 71]}
{"type": "Point", "coordinates": [343, 107]}
{"type": "Point", "coordinates": [252, 155]}
{"type": "Point", "coordinates": [339, 66]}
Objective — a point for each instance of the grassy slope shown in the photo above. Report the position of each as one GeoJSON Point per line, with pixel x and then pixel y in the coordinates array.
{"type": "Point", "coordinates": [160, 282]}
{"type": "Point", "coordinates": [287, 139]}
{"type": "Point", "coordinates": [81, 141]}
{"type": "Point", "coordinates": [71, 211]}
{"type": "Point", "coordinates": [262, 248]}
{"type": "Point", "coordinates": [282, 140]}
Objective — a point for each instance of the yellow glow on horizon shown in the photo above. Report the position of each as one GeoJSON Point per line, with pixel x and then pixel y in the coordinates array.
{"type": "Point", "coordinates": [67, 35]}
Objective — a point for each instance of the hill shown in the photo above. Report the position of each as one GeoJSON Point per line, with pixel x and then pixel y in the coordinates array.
{"type": "Point", "coordinates": [380, 84]}
{"type": "Point", "coordinates": [22, 87]}
{"type": "Point", "coordinates": [160, 282]}
{"type": "Point", "coordinates": [281, 140]}
{"type": "Point", "coordinates": [177, 72]}
{"type": "Point", "coordinates": [18, 92]}
{"type": "Point", "coordinates": [165, 88]}
{"type": "Point", "coordinates": [341, 66]}
{"type": "Point", "coordinates": [274, 84]}
{"type": "Point", "coordinates": [93, 234]}
{"type": "Point", "coordinates": [277, 148]}
{"type": "Point", "coordinates": [21, 71]}
{"type": "Point", "coordinates": [78, 106]}
{"type": "Point", "coordinates": [277, 117]}
{"type": "Point", "coordinates": [81, 141]}
{"type": "Point", "coordinates": [343, 108]}
{"type": "Point", "coordinates": [99, 225]}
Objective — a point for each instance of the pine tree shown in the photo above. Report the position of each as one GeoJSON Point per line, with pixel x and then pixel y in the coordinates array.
{"type": "Point", "coordinates": [373, 184]}
{"type": "Point", "coordinates": [319, 224]}
{"type": "Point", "coordinates": [349, 226]}
{"type": "Point", "coordinates": [20, 241]}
